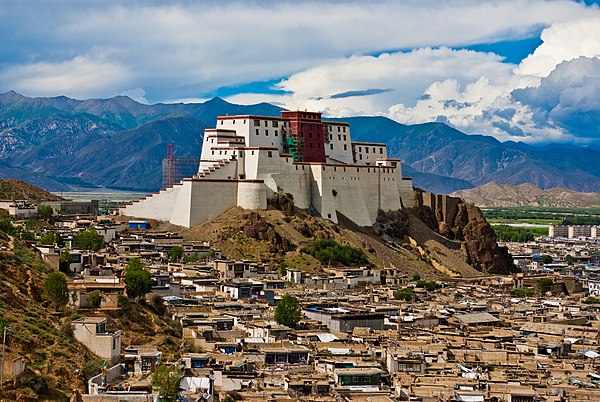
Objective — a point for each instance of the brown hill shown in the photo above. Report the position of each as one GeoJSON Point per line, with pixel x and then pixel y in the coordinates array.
{"type": "Point", "coordinates": [504, 195]}
{"type": "Point", "coordinates": [403, 240]}
{"type": "Point", "coordinates": [12, 189]}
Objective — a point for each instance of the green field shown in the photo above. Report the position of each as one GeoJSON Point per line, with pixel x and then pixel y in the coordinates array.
{"type": "Point", "coordinates": [543, 215]}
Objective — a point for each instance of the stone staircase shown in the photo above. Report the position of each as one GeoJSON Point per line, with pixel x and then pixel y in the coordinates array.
{"type": "Point", "coordinates": [212, 167]}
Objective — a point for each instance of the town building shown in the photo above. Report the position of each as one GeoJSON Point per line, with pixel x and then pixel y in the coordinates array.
{"type": "Point", "coordinates": [93, 333]}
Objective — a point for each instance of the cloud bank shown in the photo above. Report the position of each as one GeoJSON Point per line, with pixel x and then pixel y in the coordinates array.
{"type": "Point", "coordinates": [405, 60]}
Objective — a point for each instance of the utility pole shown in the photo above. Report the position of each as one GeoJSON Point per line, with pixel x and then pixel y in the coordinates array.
{"type": "Point", "coordinates": [3, 347]}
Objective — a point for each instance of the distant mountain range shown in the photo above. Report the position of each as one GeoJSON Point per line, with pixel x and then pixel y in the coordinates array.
{"type": "Point", "coordinates": [505, 195]}
{"type": "Point", "coordinates": [61, 143]}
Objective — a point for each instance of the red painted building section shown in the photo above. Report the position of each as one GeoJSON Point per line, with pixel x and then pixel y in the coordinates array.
{"type": "Point", "coordinates": [308, 128]}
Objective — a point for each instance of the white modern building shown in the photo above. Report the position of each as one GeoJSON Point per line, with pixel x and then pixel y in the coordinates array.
{"type": "Point", "coordinates": [246, 159]}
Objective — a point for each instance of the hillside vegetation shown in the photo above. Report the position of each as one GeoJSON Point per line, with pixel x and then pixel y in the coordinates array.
{"type": "Point", "coordinates": [56, 362]}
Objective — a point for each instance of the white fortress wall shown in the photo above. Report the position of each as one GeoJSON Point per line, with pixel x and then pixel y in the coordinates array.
{"type": "Point", "coordinates": [156, 206]}
{"type": "Point", "coordinates": [252, 194]}
{"type": "Point", "coordinates": [295, 179]}
{"type": "Point", "coordinates": [204, 199]}
{"type": "Point", "coordinates": [358, 192]}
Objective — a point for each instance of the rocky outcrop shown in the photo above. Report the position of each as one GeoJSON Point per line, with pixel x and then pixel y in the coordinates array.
{"type": "Point", "coordinates": [283, 202]}
{"type": "Point", "coordinates": [479, 242]}
{"type": "Point", "coordinates": [392, 224]}
{"type": "Point", "coordinates": [462, 228]}
{"type": "Point", "coordinates": [257, 228]}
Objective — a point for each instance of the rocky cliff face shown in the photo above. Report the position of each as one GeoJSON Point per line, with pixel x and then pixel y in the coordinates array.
{"type": "Point", "coordinates": [479, 242]}
{"type": "Point", "coordinates": [463, 227]}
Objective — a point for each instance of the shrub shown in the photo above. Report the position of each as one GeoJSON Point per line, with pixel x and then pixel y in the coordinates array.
{"type": "Point", "coordinates": [158, 304]}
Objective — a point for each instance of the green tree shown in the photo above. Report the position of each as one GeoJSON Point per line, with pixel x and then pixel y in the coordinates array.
{"type": "Point", "coordinates": [525, 291]}
{"type": "Point", "coordinates": [429, 286]}
{"type": "Point", "coordinates": [7, 227]}
{"type": "Point", "coordinates": [176, 253]}
{"type": "Point", "coordinates": [89, 240]}
{"type": "Point", "coordinates": [65, 260]}
{"type": "Point", "coordinates": [406, 294]}
{"type": "Point", "coordinates": [48, 239]}
{"type": "Point", "coordinates": [95, 298]}
{"type": "Point", "coordinates": [547, 259]}
{"type": "Point", "coordinates": [569, 259]}
{"type": "Point", "coordinates": [138, 280]}
{"type": "Point", "coordinates": [165, 381]}
{"type": "Point", "coordinates": [545, 285]}
{"type": "Point", "coordinates": [288, 311]}
{"type": "Point", "coordinates": [283, 267]}
{"type": "Point", "coordinates": [56, 289]}
{"type": "Point", "coordinates": [45, 211]}
{"type": "Point", "coordinates": [416, 277]}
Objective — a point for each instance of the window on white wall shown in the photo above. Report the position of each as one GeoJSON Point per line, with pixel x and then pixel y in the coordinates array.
{"type": "Point", "coordinates": [345, 147]}
{"type": "Point", "coordinates": [267, 133]}
{"type": "Point", "coordinates": [257, 123]}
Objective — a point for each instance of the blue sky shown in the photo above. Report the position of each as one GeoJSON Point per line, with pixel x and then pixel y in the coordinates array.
{"type": "Point", "coordinates": [523, 70]}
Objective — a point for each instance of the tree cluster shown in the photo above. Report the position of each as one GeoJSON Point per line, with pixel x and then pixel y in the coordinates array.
{"type": "Point", "coordinates": [328, 251]}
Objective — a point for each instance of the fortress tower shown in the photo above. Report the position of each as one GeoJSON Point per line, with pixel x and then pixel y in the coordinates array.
{"type": "Point", "coordinates": [246, 159]}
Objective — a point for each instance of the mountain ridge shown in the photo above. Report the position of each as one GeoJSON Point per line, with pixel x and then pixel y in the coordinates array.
{"type": "Point", "coordinates": [56, 140]}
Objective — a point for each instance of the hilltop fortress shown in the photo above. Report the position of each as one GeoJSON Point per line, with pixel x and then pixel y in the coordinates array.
{"type": "Point", "coordinates": [246, 159]}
